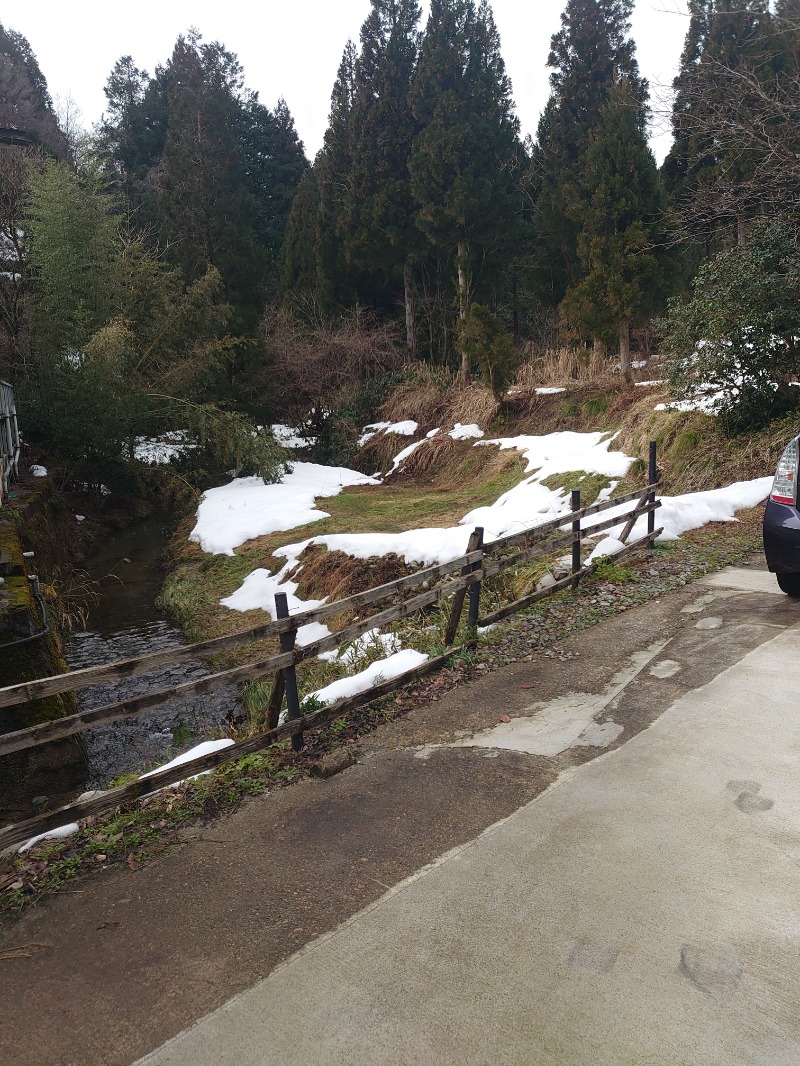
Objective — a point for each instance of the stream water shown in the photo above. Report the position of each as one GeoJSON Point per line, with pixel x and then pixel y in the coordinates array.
{"type": "Point", "coordinates": [122, 624]}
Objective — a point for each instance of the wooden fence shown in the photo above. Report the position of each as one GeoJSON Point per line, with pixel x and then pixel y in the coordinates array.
{"type": "Point", "coordinates": [457, 579]}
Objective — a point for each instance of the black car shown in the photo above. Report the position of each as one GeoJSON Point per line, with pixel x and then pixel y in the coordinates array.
{"type": "Point", "coordinates": [782, 523]}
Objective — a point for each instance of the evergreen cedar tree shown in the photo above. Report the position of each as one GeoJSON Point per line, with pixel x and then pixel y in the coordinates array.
{"type": "Point", "coordinates": [207, 166]}
{"type": "Point", "coordinates": [736, 119]}
{"type": "Point", "coordinates": [619, 210]}
{"type": "Point", "coordinates": [589, 52]}
{"type": "Point", "coordinates": [418, 174]}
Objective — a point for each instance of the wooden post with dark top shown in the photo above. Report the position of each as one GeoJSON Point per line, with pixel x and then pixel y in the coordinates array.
{"type": "Point", "coordinates": [289, 672]}
{"type": "Point", "coordinates": [652, 478]}
{"type": "Point", "coordinates": [575, 503]}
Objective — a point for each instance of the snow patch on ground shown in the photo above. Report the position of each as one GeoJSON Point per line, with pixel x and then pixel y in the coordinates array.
{"type": "Point", "coordinates": [206, 748]}
{"type": "Point", "coordinates": [247, 508]}
{"type": "Point", "coordinates": [549, 390]}
{"type": "Point", "coordinates": [468, 432]}
{"type": "Point", "coordinates": [706, 404]}
{"type": "Point", "coordinates": [159, 450]}
{"type": "Point", "coordinates": [557, 453]}
{"type": "Point", "coordinates": [417, 547]}
{"type": "Point", "coordinates": [288, 437]}
{"type": "Point", "coordinates": [372, 430]}
{"type": "Point", "coordinates": [374, 674]}
{"type": "Point", "coordinates": [679, 514]}
{"type": "Point", "coordinates": [258, 591]}
{"type": "Point", "coordinates": [404, 429]}
{"type": "Point", "coordinates": [607, 546]}
{"type": "Point", "coordinates": [52, 834]}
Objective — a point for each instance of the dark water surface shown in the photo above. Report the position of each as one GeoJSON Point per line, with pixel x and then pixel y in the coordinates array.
{"type": "Point", "coordinates": [123, 624]}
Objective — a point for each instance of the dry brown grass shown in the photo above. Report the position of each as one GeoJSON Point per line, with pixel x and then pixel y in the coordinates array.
{"type": "Point", "coordinates": [563, 366]}
{"type": "Point", "coordinates": [423, 401]}
{"type": "Point", "coordinates": [436, 404]}
{"type": "Point", "coordinates": [334, 575]}
{"type": "Point", "coordinates": [432, 459]}
{"type": "Point", "coordinates": [692, 453]}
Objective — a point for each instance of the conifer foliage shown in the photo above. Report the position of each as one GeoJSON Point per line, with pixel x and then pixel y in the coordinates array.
{"type": "Point", "coordinates": [619, 212]}
{"type": "Point", "coordinates": [463, 160]}
{"type": "Point", "coordinates": [418, 176]}
{"type": "Point", "coordinates": [206, 166]}
{"type": "Point", "coordinates": [591, 51]}
{"type": "Point", "coordinates": [736, 119]}
{"type": "Point", "coordinates": [379, 209]}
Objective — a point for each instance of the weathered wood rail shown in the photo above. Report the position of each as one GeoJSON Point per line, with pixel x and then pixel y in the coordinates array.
{"type": "Point", "coordinates": [478, 563]}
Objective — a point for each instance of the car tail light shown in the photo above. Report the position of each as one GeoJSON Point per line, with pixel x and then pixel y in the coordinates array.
{"type": "Point", "coordinates": [784, 487]}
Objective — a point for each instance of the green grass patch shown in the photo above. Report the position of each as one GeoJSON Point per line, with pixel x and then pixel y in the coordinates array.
{"type": "Point", "coordinates": [589, 485]}
{"type": "Point", "coordinates": [198, 581]}
{"type": "Point", "coordinates": [596, 405]}
{"type": "Point", "coordinates": [140, 833]}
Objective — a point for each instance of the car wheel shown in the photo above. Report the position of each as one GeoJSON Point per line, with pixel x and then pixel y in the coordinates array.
{"type": "Point", "coordinates": [789, 583]}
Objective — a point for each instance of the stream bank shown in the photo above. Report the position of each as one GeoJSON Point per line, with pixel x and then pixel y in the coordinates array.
{"type": "Point", "coordinates": [123, 622]}
{"type": "Point", "coordinates": [29, 649]}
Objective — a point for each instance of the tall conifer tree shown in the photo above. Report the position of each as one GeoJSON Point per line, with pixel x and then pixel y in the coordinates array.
{"type": "Point", "coordinates": [735, 118]}
{"type": "Point", "coordinates": [619, 210]}
{"type": "Point", "coordinates": [332, 169]}
{"type": "Point", "coordinates": [590, 49]}
{"type": "Point", "coordinates": [380, 210]}
{"type": "Point", "coordinates": [463, 160]}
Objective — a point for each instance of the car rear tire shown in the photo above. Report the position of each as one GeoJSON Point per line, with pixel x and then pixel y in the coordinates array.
{"type": "Point", "coordinates": [789, 583]}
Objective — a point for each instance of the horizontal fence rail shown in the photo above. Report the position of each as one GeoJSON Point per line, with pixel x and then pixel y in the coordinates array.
{"type": "Point", "coordinates": [470, 570]}
{"type": "Point", "coordinates": [181, 653]}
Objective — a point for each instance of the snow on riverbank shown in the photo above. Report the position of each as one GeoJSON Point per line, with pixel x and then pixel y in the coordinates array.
{"type": "Point", "coordinates": [247, 508]}
{"type": "Point", "coordinates": [229, 516]}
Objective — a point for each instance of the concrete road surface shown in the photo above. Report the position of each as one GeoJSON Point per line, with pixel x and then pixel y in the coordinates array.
{"type": "Point", "coordinates": [645, 909]}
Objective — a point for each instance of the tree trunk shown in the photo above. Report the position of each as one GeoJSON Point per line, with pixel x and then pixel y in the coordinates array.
{"type": "Point", "coordinates": [515, 306]}
{"type": "Point", "coordinates": [740, 231]}
{"type": "Point", "coordinates": [411, 332]}
{"type": "Point", "coordinates": [625, 350]}
{"type": "Point", "coordinates": [463, 299]}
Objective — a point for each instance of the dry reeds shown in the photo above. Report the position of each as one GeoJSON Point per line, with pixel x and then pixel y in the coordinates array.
{"type": "Point", "coordinates": [437, 404]}
{"type": "Point", "coordinates": [562, 366]}
{"type": "Point", "coordinates": [335, 575]}
{"type": "Point", "coordinates": [431, 458]}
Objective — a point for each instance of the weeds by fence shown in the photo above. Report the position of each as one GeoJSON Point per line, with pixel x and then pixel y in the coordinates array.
{"type": "Point", "coordinates": [437, 583]}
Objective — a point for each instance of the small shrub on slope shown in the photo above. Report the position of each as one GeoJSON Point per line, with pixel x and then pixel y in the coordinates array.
{"type": "Point", "coordinates": [736, 341]}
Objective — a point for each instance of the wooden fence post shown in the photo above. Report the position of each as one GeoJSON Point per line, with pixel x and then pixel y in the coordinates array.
{"type": "Point", "coordinates": [475, 540]}
{"type": "Point", "coordinates": [575, 503]}
{"type": "Point", "coordinates": [475, 587]}
{"type": "Point", "coordinates": [275, 700]}
{"type": "Point", "coordinates": [652, 478]}
{"type": "Point", "coordinates": [289, 672]}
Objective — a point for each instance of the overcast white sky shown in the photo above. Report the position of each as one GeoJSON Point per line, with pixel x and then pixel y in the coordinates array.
{"type": "Point", "coordinates": [292, 48]}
